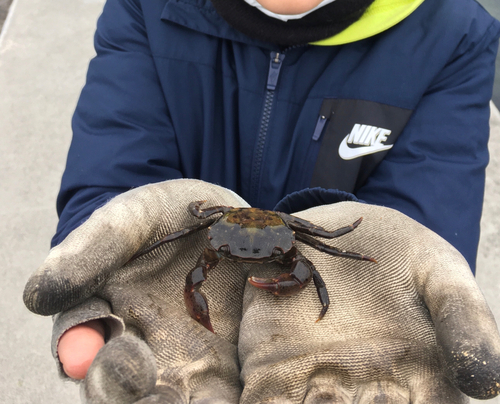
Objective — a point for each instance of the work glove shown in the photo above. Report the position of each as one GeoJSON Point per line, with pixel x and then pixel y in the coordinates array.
{"type": "Point", "coordinates": [155, 351]}
{"type": "Point", "coordinates": [411, 328]}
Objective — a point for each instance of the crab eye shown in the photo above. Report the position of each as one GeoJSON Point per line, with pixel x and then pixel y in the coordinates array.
{"type": "Point", "coordinates": [277, 251]}
{"type": "Point", "coordinates": [224, 249]}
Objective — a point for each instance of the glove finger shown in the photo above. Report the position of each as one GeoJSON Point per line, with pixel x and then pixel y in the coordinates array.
{"type": "Point", "coordinates": [436, 389]}
{"type": "Point", "coordinates": [326, 388]}
{"type": "Point", "coordinates": [161, 399]}
{"type": "Point", "coordinates": [466, 331]}
{"type": "Point", "coordinates": [123, 371]}
{"type": "Point", "coordinates": [164, 395]}
{"type": "Point", "coordinates": [383, 392]}
{"type": "Point", "coordinates": [79, 266]}
{"type": "Point", "coordinates": [76, 268]}
{"type": "Point", "coordinates": [169, 396]}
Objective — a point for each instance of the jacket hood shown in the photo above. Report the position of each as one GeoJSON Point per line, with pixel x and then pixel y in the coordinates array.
{"type": "Point", "coordinates": [379, 17]}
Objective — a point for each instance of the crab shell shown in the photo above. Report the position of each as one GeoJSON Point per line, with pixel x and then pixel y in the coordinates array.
{"type": "Point", "coordinates": [251, 235]}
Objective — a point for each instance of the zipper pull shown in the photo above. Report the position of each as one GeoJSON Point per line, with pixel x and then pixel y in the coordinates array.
{"type": "Point", "coordinates": [320, 124]}
{"type": "Point", "coordinates": [325, 115]}
{"type": "Point", "coordinates": [274, 69]}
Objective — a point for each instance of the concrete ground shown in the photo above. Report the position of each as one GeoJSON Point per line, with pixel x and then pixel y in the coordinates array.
{"type": "Point", "coordinates": [44, 50]}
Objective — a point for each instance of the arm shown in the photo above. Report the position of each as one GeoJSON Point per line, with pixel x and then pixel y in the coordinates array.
{"type": "Point", "coordinates": [122, 134]}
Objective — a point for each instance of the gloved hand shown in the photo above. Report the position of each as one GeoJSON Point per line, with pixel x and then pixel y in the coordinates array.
{"type": "Point", "coordinates": [155, 352]}
{"type": "Point", "coordinates": [411, 328]}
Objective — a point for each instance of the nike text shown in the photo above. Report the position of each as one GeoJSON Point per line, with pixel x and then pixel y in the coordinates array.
{"type": "Point", "coordinates": [367, 139]}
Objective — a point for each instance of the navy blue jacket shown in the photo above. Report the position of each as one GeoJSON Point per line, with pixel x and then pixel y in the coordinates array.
{"type": "Point", "coordinates": [399, 119]}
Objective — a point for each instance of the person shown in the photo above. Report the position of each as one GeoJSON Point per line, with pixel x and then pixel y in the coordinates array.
{"type": "Point", "coordinates": [290, 104]}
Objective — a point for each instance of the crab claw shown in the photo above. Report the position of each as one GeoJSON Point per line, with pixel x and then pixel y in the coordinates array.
{"type": "Point", "coordinates": [283, 285]}
{"type": "Point", "coordinates": [205, 322]}
{"type": "Point", "coordinates": [197, 306]}
{"type": "Point", "coordinates": [264, 283]}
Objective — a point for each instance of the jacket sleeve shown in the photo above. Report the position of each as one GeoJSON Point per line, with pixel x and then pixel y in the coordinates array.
{"type": "Point", "coordinates": [435, 173]}
{"type": "Point", "coordinates": [122, 134]}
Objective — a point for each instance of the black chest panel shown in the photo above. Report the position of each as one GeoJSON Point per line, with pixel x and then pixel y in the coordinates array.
{"type": "Point", "coordinates": [356, 136]}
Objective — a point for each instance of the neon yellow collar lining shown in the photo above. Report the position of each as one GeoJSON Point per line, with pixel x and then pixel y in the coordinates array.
{"type": "Point", "coordinates": [380, 16]}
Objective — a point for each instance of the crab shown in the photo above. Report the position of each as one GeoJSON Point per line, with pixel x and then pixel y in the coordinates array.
{"type": "Point", "coordinates": [254, 235]}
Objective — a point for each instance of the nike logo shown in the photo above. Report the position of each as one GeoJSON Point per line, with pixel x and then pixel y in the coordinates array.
{"type": "Point", "coordinates": [367, 139]}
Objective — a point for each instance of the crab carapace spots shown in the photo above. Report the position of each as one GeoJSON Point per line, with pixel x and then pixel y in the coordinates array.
{"type": "Point", "coordinates": [253, 218]}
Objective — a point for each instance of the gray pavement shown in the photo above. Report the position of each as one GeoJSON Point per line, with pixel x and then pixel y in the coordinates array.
{"type": "Point", "coordinates": [44, 53]}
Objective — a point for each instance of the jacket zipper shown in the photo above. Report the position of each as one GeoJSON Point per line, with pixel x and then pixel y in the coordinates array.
{"type": "Point", "coordinates": [272, 80]}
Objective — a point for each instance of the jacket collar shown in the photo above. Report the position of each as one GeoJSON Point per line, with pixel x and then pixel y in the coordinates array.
{"type": "Point", "coordinates": [201, 16]}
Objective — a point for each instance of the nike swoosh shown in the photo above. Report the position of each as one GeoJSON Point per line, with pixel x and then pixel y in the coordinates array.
{"type": "Point", "coordinates": [348, 153]}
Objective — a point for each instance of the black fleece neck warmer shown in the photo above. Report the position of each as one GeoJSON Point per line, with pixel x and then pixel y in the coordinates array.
{"type": "Point", "coordinates": [320, 24]}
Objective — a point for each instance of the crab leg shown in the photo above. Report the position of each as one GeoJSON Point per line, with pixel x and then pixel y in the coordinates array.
{"type": "Point", "coordinates": [196, 302]}
{"type": "Point", "coordinates": [312, 229]}
{"type": "Point", "coordinates": [287, 284]}
{"type": "Point", "coordinates": [318, 245]}
{"type": "Point", "coordinates": [322, 292]}
{"type": "Point", "coordinates": [195, 209]}
{"type": "Point", "coordinates": [173, 236]}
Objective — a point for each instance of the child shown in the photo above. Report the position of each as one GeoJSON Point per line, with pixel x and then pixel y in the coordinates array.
{"type": "Point", "coordinates": [286, 102]}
